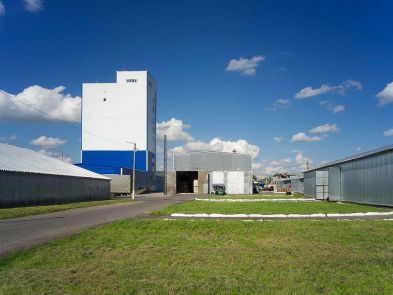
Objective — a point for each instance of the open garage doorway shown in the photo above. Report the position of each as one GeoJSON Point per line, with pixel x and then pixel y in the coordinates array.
{"type": "Point", "coordinates": [185, 181]}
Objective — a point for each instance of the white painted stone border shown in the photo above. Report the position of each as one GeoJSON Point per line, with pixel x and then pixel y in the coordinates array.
{"type": "Point", "coordinates": [288, 216]}
{"type": "Point", "coordinates": [257, 200]}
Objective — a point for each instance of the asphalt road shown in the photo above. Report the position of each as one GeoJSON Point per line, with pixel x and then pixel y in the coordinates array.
{"type": "Point", "coordinates": [24, 232]}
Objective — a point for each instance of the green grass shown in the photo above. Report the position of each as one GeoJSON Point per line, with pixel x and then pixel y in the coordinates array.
{"type": "Point", "coordinates": [209, 257]}
{"type": "Point", "coordinates": [250, 197]}
{"type": "Point", "coordinates": [33, 210]}
{"type": "Point", "coordinates": [267, 208]}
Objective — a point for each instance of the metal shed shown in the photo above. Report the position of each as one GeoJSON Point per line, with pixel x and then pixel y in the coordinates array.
{"type": "Point", "coordinates": [28, 177]}
{"type": "Point", "coordinates": [294, 184]}
{"type": "Point", "coordinates": [363, 178]}
{"type": "Point", "coordinates": [197, 172]}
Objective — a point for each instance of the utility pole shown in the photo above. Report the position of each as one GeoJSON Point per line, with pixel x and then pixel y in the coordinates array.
{"type": "Point", "coordinates": [165, 165]}
{"type": "Point", "coordinates": [133, 173]}
{"type": "Point", "coordinates": [133, 169]}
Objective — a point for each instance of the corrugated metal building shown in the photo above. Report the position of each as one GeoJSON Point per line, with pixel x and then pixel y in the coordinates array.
{"type": "Point", "coordinates": [363, 178]}
{"type": "Point", "coordinates": [197, 172]}
{"type": "Point", "coordinates": [293, 184]}
{"type": "Point", "coordinates": [28, 177]}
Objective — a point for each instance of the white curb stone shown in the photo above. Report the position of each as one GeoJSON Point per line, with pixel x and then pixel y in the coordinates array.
{"type": "Point", "coordinates": [290, 216]}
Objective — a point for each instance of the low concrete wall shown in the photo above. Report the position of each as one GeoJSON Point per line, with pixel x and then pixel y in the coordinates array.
{"type": "Point", "coordinates": [19, 189]}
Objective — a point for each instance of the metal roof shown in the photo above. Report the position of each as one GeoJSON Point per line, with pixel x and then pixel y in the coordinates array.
{"type": "Point", "coordinates": [17, 159]}
{"type": "Point", "coordinates": [354, 157]}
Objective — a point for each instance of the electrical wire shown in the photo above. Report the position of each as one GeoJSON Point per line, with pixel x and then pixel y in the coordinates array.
{"type": "Point", "coordinates": [59, 120]}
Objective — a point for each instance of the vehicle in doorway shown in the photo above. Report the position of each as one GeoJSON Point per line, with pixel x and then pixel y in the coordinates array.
{"type": "Point", "coordinates": [219, 189]}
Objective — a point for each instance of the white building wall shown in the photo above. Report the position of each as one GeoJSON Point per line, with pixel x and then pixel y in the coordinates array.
{"type": "Point", "coordinates": [114, 113]}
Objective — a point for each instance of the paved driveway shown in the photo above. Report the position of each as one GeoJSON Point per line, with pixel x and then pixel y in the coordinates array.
{"type": "Point", "coordinates": [23, 232]}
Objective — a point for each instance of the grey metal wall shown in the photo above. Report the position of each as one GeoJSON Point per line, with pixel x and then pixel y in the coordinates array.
{"type": "Point", "coordinates": [309, 184]}
{"type": "Point", "coordinates": [297, 185]}
{"type": "Point", "coordinates": [18, 189]}
{"type": "Point", "coordinates": [211, 161]}
{"type": "Point", "coordinates": [368, 180]}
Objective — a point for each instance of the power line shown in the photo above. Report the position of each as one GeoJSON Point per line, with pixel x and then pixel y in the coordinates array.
{"type": "Point", "coordinates": [59, 120]}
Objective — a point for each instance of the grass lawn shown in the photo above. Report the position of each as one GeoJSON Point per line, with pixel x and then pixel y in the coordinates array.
{"type": "Point", "coordinates": [267, 208]}
{"type": "Point", "coordinates": [209, 257]}
{"type": "Point", "coordinates": [33, 210]}
{"type": "Point", "coordinates": [251, 197]}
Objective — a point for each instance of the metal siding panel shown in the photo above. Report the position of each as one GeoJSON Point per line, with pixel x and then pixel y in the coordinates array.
{"type": "Point", "coordinates": [309, 184]}
{"type": "Point", "coordinates": [49, 189]}
{"type": "Point", "coordinates": [334, 184]}
{"type": "Point", "coordinates": [368, 180]}
{"type": "Point", "coordinates": [212, 161]}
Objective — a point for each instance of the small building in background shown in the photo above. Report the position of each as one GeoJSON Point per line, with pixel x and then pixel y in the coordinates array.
{"type": "Point", "coordinates": [363, 178]}
{"type": "Point", "coordinates": [30, 178]}
{"type": "Point", "coordinates": [294, 184]}
{"type": "Point", "coordinates": [197, 172]}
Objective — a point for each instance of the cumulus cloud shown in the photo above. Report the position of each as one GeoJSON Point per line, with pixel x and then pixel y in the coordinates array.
{"type": "Point", "coordinates": [333, 108]}
{"type": "Point", "coordinates": [302, 161]}
{"type": "Point", "coordinates": [56, 155]}
{"type": "Point", "coordinates": [295, 165]}
{"type": "Point", "coordinates": [174, 130]}
{"type": "Point", "coordinates": [340, 89]}
{"type": "Point", "coordinates": [219, 145]}
{"type": "Point", "coordinates": [386, 96]}
{"type": "Point", "coordinates": [7, 138]}
{"type": "Point", "coordinates": [23, 106]}
{"type": "Point", "coordinates": [280, 104]}
{"type": "Point", "coordinates": [301, 136]}
{"type": "Point", "coordinates": [244, 65]}
{"type": "Point", "coordinates": [388, 132]}
{"type": "Point", "coordinates": [337, 108]}
{"type": "Point", "coordinates": [277, 139]}
{"type": "Point", "coordinates": [2, 8]}
{"type": "Point", "coordinates": [327, 128]}
{"type": "Point", "coordinates": [48, 142]}
{"type": "Point", "coordinates": [33, 5]}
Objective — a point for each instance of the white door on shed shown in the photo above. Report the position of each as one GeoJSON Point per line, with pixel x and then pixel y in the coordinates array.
{"type": "Point", "coordinates": [235, 182]}
{"type": "Point", "coordinates": [218, 177]}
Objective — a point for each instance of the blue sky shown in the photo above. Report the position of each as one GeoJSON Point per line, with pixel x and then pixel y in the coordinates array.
{"type": "Point", "coordinates": [342, 50]}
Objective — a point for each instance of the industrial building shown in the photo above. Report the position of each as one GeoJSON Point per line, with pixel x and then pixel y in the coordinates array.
{"type": "Point", "coordinates": [294, 184]}
{"type": "Point", "coordinates": [197, 172]}
{"type": "Point", "coordinates": [28, 177]}
{"type": "Point", "coordinates": [115, 116]}
{"type": "Point", "coordinates": [363, 178]}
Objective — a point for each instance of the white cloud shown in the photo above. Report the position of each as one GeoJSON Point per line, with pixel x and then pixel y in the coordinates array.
{"type": "Point", "coordinates": [218, 145]}
{"type": "Point", "coordinates": [174, 130]}
{"type": "Point", "coordinates": [7, 138]}
{"type": "Point", "coordinates": [244, 65]}
{"type": "Point", "coordinates": [337, 108]}
{"type": "Point", "coordinates": [340, 89]}
{"type": "Point", "coordinates": [56, 155]}
{"type": "Point", "coordinates": [301, 136]}
{"type": "Point", "coordinates": [2, 8]}
{"type": "Point", "coordinates": [302, 161]}
{"type": "Point", "coordinates": [388, 132]}
{"type": "Point", "coordinates": [33, 5]}
{"type": "Point", "coordinates": [386, 95]}
{"type": "Point", "coordinates": [277, 139]}
{"type": "Point", "coordinates": [287, 165]}
{"type": "Point", "coordinates": [309, 91]}
{"type": "Point", "coordinates": [51, 101]}
{"type": "Point", "coordinates": [280, 104]}
{"type": "Point", "coordinates": [48, 142]}
{"type": "Point", "coordinates": [327, 128]}
{"type": "Point", "coordinates": [334, 108]}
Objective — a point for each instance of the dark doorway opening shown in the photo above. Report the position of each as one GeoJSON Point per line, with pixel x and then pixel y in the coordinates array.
{"type": "Point", "coordinates": [185, 181]}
